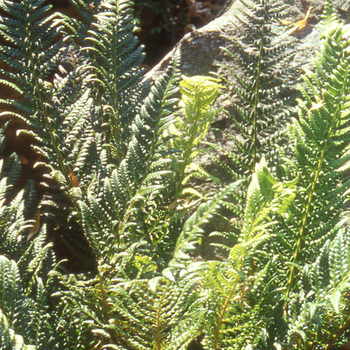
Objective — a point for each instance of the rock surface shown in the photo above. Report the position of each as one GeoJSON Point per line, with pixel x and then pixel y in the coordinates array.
{"type": "Point", "coordinates": [201, 49]}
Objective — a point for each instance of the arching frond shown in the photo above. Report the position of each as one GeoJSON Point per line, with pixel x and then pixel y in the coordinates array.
{"type": "Point", "coordinates": [263, 84]}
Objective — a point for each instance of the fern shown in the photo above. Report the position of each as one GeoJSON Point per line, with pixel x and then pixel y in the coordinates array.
{"type": "Point", "coordinates": [116, 158]}
{"type": "Point", "coordinates": [256, 295]}
{"type": "Point", "coordinates": [113, 59]}
{"type": "Point", "coordinates": [263, 89]}
{"type": "Point", "coordinates": [320, 149]}
{"type": "Point", "coordinates": [320, 315]}
{"type": "Point", "coordinates": [139, 318]}
{"type": "Point", "coordinates": [239, 286]}
{"type": "Point", "coordinates": [125, 208]}
{"type": "Point", "coordinates": [189, 129]}
{"type": "Point", "coordinates": [9, 286]}
{"type": "Point", "coordinates": [28, 318]}
{"type": "Point", "coordinates": [115, 68]}
{"type": "Point", "coordinates": [128, 231]}
{"type": "Point", "coordinates": [191, 235]}
{"type": "Point", "coordinates": [37, 51]}
{"type": "Point", "coordinates": [323, 187]}
{"type": "Point", "coordinates": [32, 54]}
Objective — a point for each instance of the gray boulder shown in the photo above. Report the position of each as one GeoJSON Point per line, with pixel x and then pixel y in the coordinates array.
{"type": "Point", "coordinates": [200, 49]}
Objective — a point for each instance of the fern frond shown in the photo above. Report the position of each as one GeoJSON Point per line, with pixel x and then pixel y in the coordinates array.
{"type": "Point", "coordinates": [115, 59]}
{"type": "Point", "coordinates": [263, 88]}
{"type": "Point", "coordinates": [320, 148]}
{"type": "Point", "coordinates": [139, 184]}
{"type": "Point", "coordinates": [188, 130]}
{"type": "Point", "coordinates": [322, 315]}
{"type": "Point", "coordinates": [237, 284]}
{"type": "Point", "coordinates": [35, 49]}
{"type": "Point", "coordinates": [8, 338]}
{"type": "Point", "coordinates": [168, 318]}
{"type": "Point", "coordinates": [191, 234]}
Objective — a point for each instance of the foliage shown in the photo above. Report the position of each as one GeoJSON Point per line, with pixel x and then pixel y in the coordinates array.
{"type": "Point", "coordinates": [197, 95]}
{"type": "Point", "coordinates": [276, 288]}
{"type": "Point", "coordinates": [114, 164]}
{"type": "Point", "coordinates": [263, 87]}
{"type": "Point", "coordinates": [28, 273]}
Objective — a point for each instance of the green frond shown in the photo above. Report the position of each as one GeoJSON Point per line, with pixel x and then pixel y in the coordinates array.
{"type": "Point", "coordinates": [245, 274]}
{"type": "Point", "coordinates": [263, 85]}
{"type": "Point", "coordinates": [329, 14]}
{"type": "Point", "coordinates": [168, 318]}
{"type": "Point", "coordinates": [198, 93]}
{"type": "Point", "coordinates": [137, 314]}
{"type": "Point", "coordinates": [238, 315]}
{"type": "Point", "coordinates": [8, 338]}
{"type": "Point", "coordinates": [133, 199]}
{"type": "Point", "coordinates": [187, 132]}
{"type": "Point", "coordinates": [34, 52]}
{"type": "Point", "coordinates": [320, 148]}
{"type": "Point", "coordinates": [115, 59]}
{"type": "Point", "coordinates": [32, 45]}
{"type": "Point", "coordinates": [321, 316]}
{"type": "Point", "coordinates": [191, 234]}
{"type": "Point", "coordinates": [25, 313]}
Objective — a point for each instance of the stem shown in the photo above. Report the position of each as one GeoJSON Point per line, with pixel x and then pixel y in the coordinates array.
{"type": "Point", "coordinates": [51, 133]}
{"type": "Point", "coordinates": [304, 220]}
{"type": "Point", "coordinates": [257, 96]}
{"type": "Point", "coordinates": [158, 325]}
{"type": "Point", "coordinates": [256, 112]}
{"type": "Point", "coordinates": [222, 314]}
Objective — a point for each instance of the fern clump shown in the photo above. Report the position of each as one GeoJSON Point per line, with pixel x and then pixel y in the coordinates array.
{"type": "Point", "coordinates": [108, 175]}
{"type": "Point", "coordinates": [284, 282]}
{"type": "Point", "coordinates": [321, 153]}
{"type": "Point", "coordinates": [112, 161]}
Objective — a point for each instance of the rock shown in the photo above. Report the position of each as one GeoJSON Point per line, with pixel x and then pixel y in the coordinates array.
{"type": "Point", "coordinates": [344, 9]}
{"type": "Point", "coordinates": [201, 49]}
